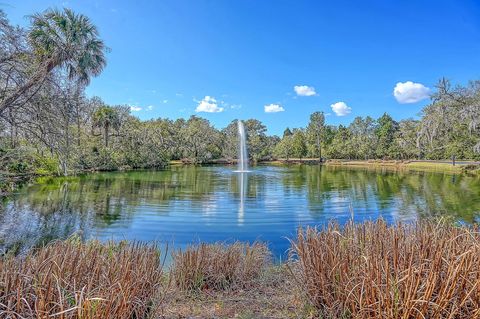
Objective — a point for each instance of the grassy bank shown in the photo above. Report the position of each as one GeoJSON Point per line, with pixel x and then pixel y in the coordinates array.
{"type": "Point", "coordinates": [370, 270]}
{"type": "Point", "coordinates": [435, 166]}
{"type": "Point", "coordinates": [471, 167]}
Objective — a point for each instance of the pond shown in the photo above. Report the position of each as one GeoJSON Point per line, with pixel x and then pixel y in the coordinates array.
{"type": "Point", "coordinates": [186, 204]}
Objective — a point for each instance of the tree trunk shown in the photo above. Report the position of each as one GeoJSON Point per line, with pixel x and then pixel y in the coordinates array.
{"type": "Point", "coordinates": [319, 145]}
{"type": "Point", "coordinates": [106, 135]}
{"type": "Point", "coordinates": [79, 133]}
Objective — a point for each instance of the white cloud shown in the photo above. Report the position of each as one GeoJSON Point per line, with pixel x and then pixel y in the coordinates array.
{"type": "Point", "coordinates": [273, 108]}
{"type": "Point", "coordinates": [341, 109]}
{"type": "Point", "coordinates": [304, 90]}
{"type": "Point", "coordinates": [150, 107]}
{"type": "Point", "coordinates": [208, 104]}
{"type": "Point", "coordinates": [165, 101]}
{"type": "Point", "coordinates": [135, 108]}
{"type": "Point", "coordinates": [410, 92]}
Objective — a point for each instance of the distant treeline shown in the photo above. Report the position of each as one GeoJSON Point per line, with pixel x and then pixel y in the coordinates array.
{"type": "Point", "coordinates": [49, 126]}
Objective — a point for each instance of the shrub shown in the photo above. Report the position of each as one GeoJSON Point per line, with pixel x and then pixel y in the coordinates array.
{"type": "Point", "coordinates": [372, 270]}
{"type": "Point", "coordinates": [46, 165]}
{"type": "Point", "coordinates": [219, 266]}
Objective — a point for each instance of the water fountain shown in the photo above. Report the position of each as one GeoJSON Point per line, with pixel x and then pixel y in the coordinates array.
{"type": "Point", "coordinates": [242, 149]}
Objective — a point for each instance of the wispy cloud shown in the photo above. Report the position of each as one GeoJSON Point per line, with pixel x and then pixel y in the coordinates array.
{"type": "Point", "coordinates": [273, 108]}
{"type": "Point", "coordinates": [135, 108]}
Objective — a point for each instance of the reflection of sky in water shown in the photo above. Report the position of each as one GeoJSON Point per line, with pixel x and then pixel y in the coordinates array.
{"type": "Point", "coordinates": [188, 204]}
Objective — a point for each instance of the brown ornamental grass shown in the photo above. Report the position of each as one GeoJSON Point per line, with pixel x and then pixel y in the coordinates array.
{"type": "Point", "coordinates": [219, 266]}
{"type": "Point", "coordinates": [373, 270]}
{"type": "Point", "coordinates": [81, 280]}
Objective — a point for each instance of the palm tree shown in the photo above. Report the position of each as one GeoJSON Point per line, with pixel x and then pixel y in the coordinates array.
{"type": "Point", "coordinates": [106, 117]}
{"type": "Point", "coordinates": [61, 39]}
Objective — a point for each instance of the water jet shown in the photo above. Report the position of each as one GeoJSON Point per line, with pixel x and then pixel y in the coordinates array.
{"type": "Point", "coordinates": [242, 149]}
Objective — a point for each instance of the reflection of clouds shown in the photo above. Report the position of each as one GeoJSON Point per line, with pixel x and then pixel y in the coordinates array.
{"type": "Point", "coordinates": [337, 199]}
{"type": "Point", "coordinates": [24, 227]}
{"type": "Point", "coordinates": [209, 206]}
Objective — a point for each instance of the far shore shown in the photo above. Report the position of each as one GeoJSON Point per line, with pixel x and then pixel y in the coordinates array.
{"type": "Point", "coordinates": [460, 166]}
{"type": "Point", "coordinates": [446, 166]}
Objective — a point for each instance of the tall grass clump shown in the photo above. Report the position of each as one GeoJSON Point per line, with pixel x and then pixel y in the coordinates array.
{"type": "Point", "coordinates": [219, 266]}
{"type": "Point", "coordinates": [72, 279]}
{"type": "Point", "coordinates": [372, 270]}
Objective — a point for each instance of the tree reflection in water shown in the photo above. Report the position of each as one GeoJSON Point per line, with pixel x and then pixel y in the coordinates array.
{"type": "Point", "coordinates": [213, 203]}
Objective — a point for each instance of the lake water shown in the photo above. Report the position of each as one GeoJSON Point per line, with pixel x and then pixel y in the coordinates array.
{"type": "Point", "coordinates": [187, 204]}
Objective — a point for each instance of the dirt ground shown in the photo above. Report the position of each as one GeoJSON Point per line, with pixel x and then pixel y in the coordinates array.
{"type": "Point", "coordinates": [274, 296]}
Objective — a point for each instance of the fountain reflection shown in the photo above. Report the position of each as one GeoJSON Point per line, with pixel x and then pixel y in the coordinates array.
{"type": "Point", "coordinates": [242, 187]}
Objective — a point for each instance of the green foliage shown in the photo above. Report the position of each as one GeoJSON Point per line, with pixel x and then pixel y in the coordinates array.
{"type": "Point", "coordinates": [201, 142]}
{"type": "Point", "coordinates": [287, 132]}
{"type": "Point", "coordinates": [299, 145]}
{"type": "Point", "coordinates": [106, 117]}
{"type": "Point", "coordinates": [67, 40]}
{"type": "Point", "coordinates": [364, 139]}
{"type": "Point", "coordinates": [284, 148]}
{"type": "Point", "coordinates": [385, 133]}
{"type": "Point", "coordinates": [45, 165]}
{"type": "Point", "coordinates": [18, 161]}
{"type": "Point", "coordinates": [257, 142]}
{"type": "Point", "coordinates": [315, 134]}
{"type": "Point", "coordinates": [341, 146]}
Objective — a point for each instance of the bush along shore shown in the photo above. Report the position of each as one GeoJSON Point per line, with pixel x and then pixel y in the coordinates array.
{"type": "Point", "coordinates": [370, 270]}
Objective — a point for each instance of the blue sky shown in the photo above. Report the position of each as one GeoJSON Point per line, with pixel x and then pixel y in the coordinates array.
{"type": "Point", "coordinates": [240, 58]}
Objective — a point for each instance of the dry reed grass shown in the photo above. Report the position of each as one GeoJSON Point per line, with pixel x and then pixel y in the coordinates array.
{"type": "Point", "coordinates": [75, 280]}
{"type": "Point", "coordinates": [219, 266]}
{"type": "Point", "coordinates": [372, 270]}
